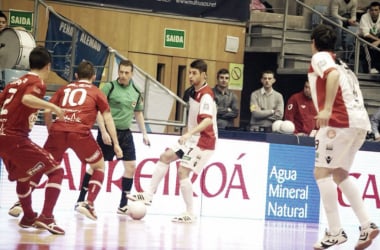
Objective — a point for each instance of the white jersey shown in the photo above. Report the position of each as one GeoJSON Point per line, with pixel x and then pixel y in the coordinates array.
{"type": "Point", "coordinates": [348, 108]}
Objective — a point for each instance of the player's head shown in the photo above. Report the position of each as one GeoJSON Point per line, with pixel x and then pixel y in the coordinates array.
{"type": "Point", "coordinates": [39, 58]}
{"type": "Point", "coordinates": [267, 79]}
{"type": "Point", "coordinates": [3, 21]}
{"type": "Point", "coordinates": [323, 38]}
{"type": "Point", "coordinates": [86, 70]}
{"type": "Point", "coordinates": [306, 89]}
{"type": "Point", "coordinates": [198, 72]}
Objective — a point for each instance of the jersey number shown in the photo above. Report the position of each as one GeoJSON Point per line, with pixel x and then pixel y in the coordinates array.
{"type": "Point", "coordinates": [70, 94]}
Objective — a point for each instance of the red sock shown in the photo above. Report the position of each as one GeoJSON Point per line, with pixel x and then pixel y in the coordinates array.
{"type": "Point", "coordinates": [95, 185]}
{"type": "Point", "coordinates": [24, 193]}
{"type": "Point", "coordinates": [52, 191]}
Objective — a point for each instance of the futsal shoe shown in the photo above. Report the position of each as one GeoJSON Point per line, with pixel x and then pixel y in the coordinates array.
{"type": "Point", "coordinates": [15, 210]}
{"type": "Point", "coordinates": [144, 197]}
{"type": "Point", "coordinates": [331, 240]}
{"type": "Point", "coordinates": [366, 236]}
{"type": "Point", "coordinates": [49, 224]}
{"type": "Point", "coordinates": [87, 210]}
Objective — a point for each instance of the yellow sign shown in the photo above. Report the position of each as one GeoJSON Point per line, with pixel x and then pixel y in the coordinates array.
{"type": "Point", "coordinates": [236, 76]}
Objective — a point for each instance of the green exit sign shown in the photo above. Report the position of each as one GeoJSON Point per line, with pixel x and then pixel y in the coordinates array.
{"type": "Point", "coordinates": [174, 38]}
{"type": "Point", "coordinates": [19, 18]}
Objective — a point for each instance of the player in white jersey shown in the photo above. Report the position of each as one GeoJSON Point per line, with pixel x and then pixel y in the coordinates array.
{"type": "Point", "coordinates": [194, 148]}
{"type": "Point", "coordinates": [343, 123]}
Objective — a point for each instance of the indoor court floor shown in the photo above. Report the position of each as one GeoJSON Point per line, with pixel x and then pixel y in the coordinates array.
{"type": "Point", "coordinates": [112, 231]}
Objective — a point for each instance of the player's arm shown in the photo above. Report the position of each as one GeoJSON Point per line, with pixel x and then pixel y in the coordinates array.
{"type": "Point", "coordinates": [110, 126]}
{"type": "Point", "coordinates": [103, 130]}
{"type": "Point", "coordinates": [32, 101]}
{"type": "Point", "coordinates": [332, 85]}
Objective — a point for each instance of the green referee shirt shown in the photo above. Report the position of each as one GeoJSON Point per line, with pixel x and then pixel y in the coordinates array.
{"type": "Point", "coordinates": [123, 101]}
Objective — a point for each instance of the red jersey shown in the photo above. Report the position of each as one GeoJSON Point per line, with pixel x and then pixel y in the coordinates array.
{"type": "Point", "coordinates": [81, 102]}
{"type": "Point", "coordinates": [301, 111]}
{"type": "Point", "coordinates": [16, 118]}
{"type": "Point", "coordinates": [202, 105]}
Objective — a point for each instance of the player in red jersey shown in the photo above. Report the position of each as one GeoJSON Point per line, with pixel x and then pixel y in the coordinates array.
{"type": "Point", "coordinates": [82, 101]}
{"type": "Point", "coordinates": [20, 102]}
{"type": "Point", "coordinates": [194, 148]}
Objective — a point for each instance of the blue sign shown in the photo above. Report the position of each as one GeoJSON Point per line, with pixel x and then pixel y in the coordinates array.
{"type": "Point", "coordinates": [292, 193]}
{"type": "Point", "coordinates": [69, 44]}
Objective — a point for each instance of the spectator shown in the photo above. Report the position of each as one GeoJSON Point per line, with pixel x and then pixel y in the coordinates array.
{"type": "Point", "coordinates": [3, 21]}
{"type": "Point", "coordinates": [301, 111]}
{"type": "Point", "coordinates": [370, 31]}
{"type": "Point", "coordinates": [266, 105]}
{"type": "Point", "coordinates": [261, 6]}
{"type": "Point", "coordinates": [342, 12]}
{"type": "Point", "coordinates": [375, 124]}
{"type": "Point", "coordinates": [226, 100]}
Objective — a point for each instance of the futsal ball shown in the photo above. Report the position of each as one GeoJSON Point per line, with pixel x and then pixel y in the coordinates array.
{"type": "Point", "coordinates": [287, 127]}
{"type": "Point", "coordinates": [137, 210]}
{"type": "Point", "coordinates": [276, 126]}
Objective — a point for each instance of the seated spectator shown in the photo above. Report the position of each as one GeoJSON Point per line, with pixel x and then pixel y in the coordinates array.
{"type": "Point", "coordinates": [375, 124]}
{"type": "Point", "coordinates": [266, 105]}
{"type": "Point", "coordinates": [369, 29]}
{"type": "Point", "coordinates": [226, 100]}
{"type": "Point", "coordinates": [342, 12]}
{"type": "Point", "coordinates": [301, 111]}
{"type": "Point", "coordinates": [3, 21]}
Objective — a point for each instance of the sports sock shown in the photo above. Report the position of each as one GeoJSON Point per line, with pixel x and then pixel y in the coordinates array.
{"type": "Point", "coordinates": [52, 191]}
{"type": "Point", "coordinates": [351, 191]}
{"type": "Point", "coordinates": [187, 194]}
{"type": "Point", "coordinates": [126, 186]}
{"type": "Point", "coordinates": [329, 196]}
{"type": "Point", "coordinates": [24, 196]}
{"type": "Point", "coordinates": [95, 185]}
{"type": "Point", "coordinates": [84, 188]}
{"type": "Point", "coordinates": [158, 173]}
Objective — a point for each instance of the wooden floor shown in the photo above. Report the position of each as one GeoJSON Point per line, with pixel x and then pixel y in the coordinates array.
{"type": "Point", "coordinates": [113, 231]}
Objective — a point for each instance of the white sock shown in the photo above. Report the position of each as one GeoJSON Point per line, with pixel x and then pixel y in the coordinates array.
{"type": "Point", "coordinates": [329, 196]}
{"type": "Point", "coordinates": [187, 194]}
{"type": "Point", "coordinates": [351, 192]}
{"type": "Point", "coordinates": [158, 173]}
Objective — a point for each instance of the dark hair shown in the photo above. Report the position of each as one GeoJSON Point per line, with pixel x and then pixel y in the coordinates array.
{"type": "Point", "coordinates": [39, 57]}
{"type": "Point", "coordinates": [222, 72]}
{"type": "Point", "coordinates": [126, 63]}
{"type": "Point", "coordinates": [200, 65]}
{"type": "Point", "coordinates": [3, 15]}
{"type": "Point", "coordinates": [267, 72]}
{"type": "Point", "coordinates": [324, 37]}
{"type": "Point", "coordinates": [85, 70]}
{"type": "Point", "coordinates": [374, 4]}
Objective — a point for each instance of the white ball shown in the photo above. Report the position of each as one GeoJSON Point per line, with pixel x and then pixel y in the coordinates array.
{"type": "Point", "coordinates": [137, 210]}
{"type": "Point", "coordinates": [276, 125]}
{"type": "Point", "coordinates": [287, 127]}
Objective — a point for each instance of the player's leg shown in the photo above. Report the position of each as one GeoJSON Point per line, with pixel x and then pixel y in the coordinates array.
{"type": "Point", "coordinates": [159, 172]}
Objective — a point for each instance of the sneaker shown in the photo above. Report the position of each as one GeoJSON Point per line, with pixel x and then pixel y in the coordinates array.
{"type": "Point", "coordinates": [27, 222]}
{"type": "Point", "coordinates": [366, 236]}
{"type": "Point", "coordinates": [123, 210]}
{"type": "Point", "coordinates": [147, 199]}
{"type": "Point", "coordinates": [87, 210]}
{"type": "Point", "coordinates": [184, 218]}
{"type": "Point", "coordinates": [15, 210]}
{"type": "Point", "coordinates": [331, 240]}
{"type": "Point", "coordinates": [48, 224]}
{"type": "Point", "coordinates": [373, 71]}
{"type": "Point", "coordinates": [79, 203]}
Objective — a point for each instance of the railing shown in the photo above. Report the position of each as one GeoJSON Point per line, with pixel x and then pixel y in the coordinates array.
{"type": "Point", "coordinates": [358, 40]}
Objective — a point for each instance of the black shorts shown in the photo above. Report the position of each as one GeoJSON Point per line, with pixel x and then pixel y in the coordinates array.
{"type": "Point", "coordinates": [126, 143]}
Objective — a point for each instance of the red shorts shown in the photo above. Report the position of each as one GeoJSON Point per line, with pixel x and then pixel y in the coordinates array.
{"type": "Point", "coordinates": [23, 158]}
{"type": "Point", "coordinates": [84, 146]}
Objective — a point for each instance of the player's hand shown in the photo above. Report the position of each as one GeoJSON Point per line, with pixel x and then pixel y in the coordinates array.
{"type": "Point", "coordinates": [146, 140]}
{"type": "Point", "coordinates": [182, 140]}
{"type": "Point", "coordinates": [322, 118]}
{"type": "Point", "coordinates": [59, 112]}
{"type": "Point", "coordinates": [106, 139]}
{"type": "Point", "coordinates": [118, 151]}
